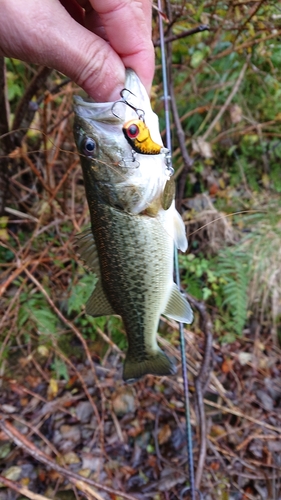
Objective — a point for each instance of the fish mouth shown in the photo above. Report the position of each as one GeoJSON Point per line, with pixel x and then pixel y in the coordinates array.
{"type": "Point", "coordinates": [85, 107]}
{"type": "Point", "coordinates": [98, 111]}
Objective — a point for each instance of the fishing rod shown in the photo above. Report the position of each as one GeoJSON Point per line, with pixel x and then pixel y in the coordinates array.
{"type": "Point", "coordinates": [166, 98]}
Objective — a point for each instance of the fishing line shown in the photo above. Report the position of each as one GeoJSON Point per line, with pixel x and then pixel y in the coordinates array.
{"type": "Point", "coordinates": [191, 490]}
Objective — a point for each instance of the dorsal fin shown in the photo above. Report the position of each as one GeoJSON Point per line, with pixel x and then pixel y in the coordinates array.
{"type": "Point", "coordinates": [178, 308]}
{"type": "Point", "coordinates": [97, 304]}
{"type": "Point", "coordinates": [88, 250]}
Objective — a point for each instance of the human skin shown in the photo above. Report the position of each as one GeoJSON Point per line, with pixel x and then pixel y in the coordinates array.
{"type": "Point", "coordinates": [90, 41]}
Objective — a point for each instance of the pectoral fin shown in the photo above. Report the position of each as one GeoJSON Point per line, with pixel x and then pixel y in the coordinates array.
{"type": "Point", "coordinates": [179, 233]}
{"type": "Point", "coordinates": [174, 226]}
{"type": "Point", "coordinates": [178, 308]}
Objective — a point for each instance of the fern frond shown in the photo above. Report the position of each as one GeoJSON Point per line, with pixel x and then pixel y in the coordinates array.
{"type": "Point", "coordinates": [233, 267]}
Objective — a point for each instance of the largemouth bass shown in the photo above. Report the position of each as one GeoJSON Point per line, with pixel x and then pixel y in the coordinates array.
{"type": "Point", "coordinates": [131, 240]}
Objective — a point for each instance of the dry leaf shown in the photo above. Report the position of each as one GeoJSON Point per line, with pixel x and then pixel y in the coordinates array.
{"type": "Point", "coordinates": [164, 434]}
{"type": "Point", "coordinates": [53, 389]}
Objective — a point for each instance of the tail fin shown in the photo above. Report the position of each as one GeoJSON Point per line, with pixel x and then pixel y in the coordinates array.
{"type": "Point", "coordinates": [155, 364]}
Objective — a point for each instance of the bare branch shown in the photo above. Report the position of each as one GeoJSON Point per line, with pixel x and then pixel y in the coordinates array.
{"type": "Point", "coordinates": [184, 34]}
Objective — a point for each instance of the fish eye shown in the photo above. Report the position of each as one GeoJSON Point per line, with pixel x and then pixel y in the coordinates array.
{"type": "Point", "coordinates": [89, 146]}
{"type": "Point", "coordinates": [133, 131]}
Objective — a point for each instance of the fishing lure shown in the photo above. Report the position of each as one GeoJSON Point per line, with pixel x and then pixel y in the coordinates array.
{"type": "Point", "coordinates": [138, 136]}
{"type": "Point", "coordinates": [136, 131]}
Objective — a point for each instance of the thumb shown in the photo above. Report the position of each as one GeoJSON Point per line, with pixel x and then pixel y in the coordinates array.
{"type": "Point", "coordinates": [46, 34]}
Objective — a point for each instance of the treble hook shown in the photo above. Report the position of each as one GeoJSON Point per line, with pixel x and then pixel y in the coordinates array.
{"type": "Point", "coordinates": [139, 112]}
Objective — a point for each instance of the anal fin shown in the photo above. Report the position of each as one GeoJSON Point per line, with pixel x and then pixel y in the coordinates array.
{"type": "Point", "coordinates": [178, 308]}
{"type": "Point", "coordinates": [97, 304]}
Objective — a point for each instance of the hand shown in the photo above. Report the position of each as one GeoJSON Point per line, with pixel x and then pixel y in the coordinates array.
{"type": "Point", "coordinates": [92, 42]}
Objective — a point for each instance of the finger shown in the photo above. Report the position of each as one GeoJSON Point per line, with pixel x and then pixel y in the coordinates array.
{"type": "Point", "coordinates": [92, 20]}
{"type": "Point", "coordinates": [128, 27]}
{"type": "Point", "coordinates": [49, 36]}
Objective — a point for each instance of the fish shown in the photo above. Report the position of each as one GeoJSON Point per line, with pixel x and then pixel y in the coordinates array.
{"type": "Point", "coordinates": [134, 227]}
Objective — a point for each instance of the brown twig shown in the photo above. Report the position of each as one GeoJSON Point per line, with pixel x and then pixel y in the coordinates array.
{"type": "Point", "coordinates": [228, 100]}
{"type": "Point", "coordinates": [187, 160]}
{"type": "Point", "coordinates": [240, 414]}
{"type": "Point", "coordinates": [183, 34]}
{"type": "Point", "coordinates": [254, 10]}
{"type": "Point", "coordinates": [244, 45]}
{"type": "Point", "coordinates": [22, 490]}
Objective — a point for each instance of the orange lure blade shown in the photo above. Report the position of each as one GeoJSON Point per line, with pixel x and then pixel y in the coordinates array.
{"type": "Point", "coordinates": [138, 136]}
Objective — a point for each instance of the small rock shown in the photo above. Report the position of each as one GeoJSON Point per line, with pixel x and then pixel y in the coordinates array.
{"type": "Point", "coordinates": [28, 471]}
{"type": "Point", "coordinates": [67, 437]}
{"type": "Point", "coordinates": [86, 433]}
{"type": "Point", "coordinates": [123, 401]}
{"type": "Point", "coordinates": [84, 411]}
{"type": "Point", "coordinates": [92, 462]}
{"type": "Point", "coordinates": [71, 432]}
{"type": "Point", "coordinates": [265, 399]}
{"type": "Point", "coordinates": [8, 408]}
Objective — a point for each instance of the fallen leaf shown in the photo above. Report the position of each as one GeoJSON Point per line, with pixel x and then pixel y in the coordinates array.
{"type": "Point", "coordinates": [71, 458]}
{"type": "Point", "coordinates": [8, 408]}
{"type": "Point", "coordinates": [13, 473]}
{"type": "Point", "coordinates": [227, 366]}
{"type": "Point", "coordinates": [164, 434]}
{"type": "Point", "coordinates": [244, 358]}
{"type": "Point", "coordinates": [235, 113]}
{"type": "Point", "coordinates": [53, 389]}
{"type": "Point", "coordinates": [202, 147]}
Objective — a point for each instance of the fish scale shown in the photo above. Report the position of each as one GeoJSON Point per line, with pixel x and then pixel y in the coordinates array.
{"type": "Point", "coordinates": [128, 266]}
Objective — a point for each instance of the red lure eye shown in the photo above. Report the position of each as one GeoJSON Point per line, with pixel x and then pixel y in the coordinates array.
{"type": "Point", "coordinates": [133, 131]}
